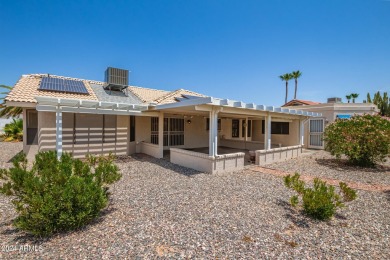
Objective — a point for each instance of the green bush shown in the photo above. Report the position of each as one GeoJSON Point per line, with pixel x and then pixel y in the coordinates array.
{"type": "Point", "coordinates": [58, 195]}
{"type": "Point", "coordinates": [13, 131]}
{"type": "Point", "coordinates": [365, 140]}
{"type": "Point", "coordinates": [321, 201]}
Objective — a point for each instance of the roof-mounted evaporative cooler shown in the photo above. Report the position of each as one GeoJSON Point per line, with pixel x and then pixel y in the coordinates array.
{"type": "Point", "coordinates": [116, 79]}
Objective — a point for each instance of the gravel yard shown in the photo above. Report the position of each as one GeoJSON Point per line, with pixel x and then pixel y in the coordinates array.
{"type": "Point", "coordinates": [322, 164]}
{"type": "Point", "coordinates": [161, 209]}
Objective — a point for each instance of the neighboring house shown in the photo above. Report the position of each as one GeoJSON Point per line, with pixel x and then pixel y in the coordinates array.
{"type": "Point", "coordinates": [330, 111]}
{"type": "Point", "coordinates": [196, 131]}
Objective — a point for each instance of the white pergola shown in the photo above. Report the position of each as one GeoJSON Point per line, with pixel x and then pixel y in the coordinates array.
{"type": "Point", "coordinates": [60, 105]}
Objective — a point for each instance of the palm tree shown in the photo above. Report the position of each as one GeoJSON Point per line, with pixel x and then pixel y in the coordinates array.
{"type": "Point", "coordinates": [354, 96]}
{"type": "Point", "coordinates": [296, 75]}
{"type": "Point", "coordinates": [7, 111]}
{"type": "Point", "coordinates": [348, 97]}
{"type": "Point", "coordinates": [14, 131]}
{"type": "Point", "coordinates": [286, 77]}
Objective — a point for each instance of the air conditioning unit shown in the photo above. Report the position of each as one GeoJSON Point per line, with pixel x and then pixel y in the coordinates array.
{"type": "Point", "coordinates": [334, 100]}
{"type": "Point", "coordinates": [116, 79]}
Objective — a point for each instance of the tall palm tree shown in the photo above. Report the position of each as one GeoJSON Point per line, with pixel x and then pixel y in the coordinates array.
{"type": "Point", "coordinates": [354, 96]}
{"type": "Point", "coordinates": [286, 77]}
{"type": "Point", "coordinates": [296, 75]}
{"type": "Point", "coordinates": [348, 97]}
{"type": "Point", "coordinates": [7, 111]}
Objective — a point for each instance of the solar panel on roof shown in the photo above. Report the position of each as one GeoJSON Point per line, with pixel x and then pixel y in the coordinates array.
{"type": "Point", "coordinates": [63, 85]}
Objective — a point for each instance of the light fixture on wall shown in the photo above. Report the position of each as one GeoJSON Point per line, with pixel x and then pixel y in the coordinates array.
{"type": "Point", "coordinates": [189, 121]}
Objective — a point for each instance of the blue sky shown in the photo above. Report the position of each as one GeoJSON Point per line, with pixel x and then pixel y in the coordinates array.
{"type": "Point", "coordinates": [228, 49]}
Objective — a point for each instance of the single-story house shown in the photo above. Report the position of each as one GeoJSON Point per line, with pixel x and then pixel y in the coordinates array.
{"type": "Point", "coordinates": [333, 109]}
{"type": "Point", "coordinates": [191, 129]}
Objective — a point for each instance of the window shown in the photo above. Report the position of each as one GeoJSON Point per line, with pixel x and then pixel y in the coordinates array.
{"type": "Point", "coordinates": [235, 128]}
{"type": "Point", "coordinates": [173, 131]}
{"type": "Point", "coordinates": [248, 127]}
{"type": "Point", "coordinates": [132, 128]}
{"type": "Point", "coordinates": [32, 127]}
{"type": "Point", "coordinates": [154, 130]}
{"type": "Point", "coordinates": [277, 128]}
{"type": "Point", "coordinates": [208, 124]}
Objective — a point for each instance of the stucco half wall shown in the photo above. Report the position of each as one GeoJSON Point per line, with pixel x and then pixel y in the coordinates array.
{"type": "Point", "coordinates": [205, 163]}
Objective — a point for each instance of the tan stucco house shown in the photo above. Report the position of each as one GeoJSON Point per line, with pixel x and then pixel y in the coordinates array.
{"type": "Point", "coordinates": [331, 110]}
{"type": "Point", "coordinates": [191, 129]}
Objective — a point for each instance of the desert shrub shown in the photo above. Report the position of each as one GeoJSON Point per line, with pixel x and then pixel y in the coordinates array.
{"type": "Point", "coordinates": [365, 140]}
{"type": "Point", "coordinates": [13, 131]}
{"type": "Point", "coordinates": [321, 201]}
{"type": "Point", "coordinates": [58, 195]}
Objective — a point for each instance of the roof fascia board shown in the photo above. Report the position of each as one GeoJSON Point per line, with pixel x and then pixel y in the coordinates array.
{"type": "Point", "coordinates": [20, 104]}
{"type": "Point", "coordinates": [89, 104]}
{"type": "Point", "coordinates": [48, 108]}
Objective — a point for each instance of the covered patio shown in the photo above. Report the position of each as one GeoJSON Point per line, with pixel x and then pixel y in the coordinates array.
{"type": "Point", "coordinates": [235, 130]}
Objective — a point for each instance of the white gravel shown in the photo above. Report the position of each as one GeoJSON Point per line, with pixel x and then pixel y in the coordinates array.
{"type": "Point", "coordinates": [161, 209]}
{"type": "Point", "coordinates": [322, 164]}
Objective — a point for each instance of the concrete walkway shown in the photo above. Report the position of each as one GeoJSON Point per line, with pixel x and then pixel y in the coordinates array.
{"type": "Point", "coordinates": [335, 182]}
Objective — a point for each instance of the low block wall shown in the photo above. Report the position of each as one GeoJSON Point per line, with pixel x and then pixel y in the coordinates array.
{"type": "Point", "coordinates": [240, 144]}
{"type": "Point", "coordinates": [151, 149]}
{"type": "Point", "coordinates": [264, 157]}
{"type": "Point", "coordinates": [205, 163]}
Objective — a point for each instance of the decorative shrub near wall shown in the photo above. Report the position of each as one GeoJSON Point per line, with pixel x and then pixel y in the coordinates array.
{"type": "Point", "coordinates": [365, 140]}
{"type": "Point", "coordinates": [321, 201]}
{"type": "Point", "coordinates": [58, 195]}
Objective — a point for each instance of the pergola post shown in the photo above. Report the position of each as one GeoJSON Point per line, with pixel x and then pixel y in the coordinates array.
{"type": "Point", "coordinates": [161, 134]}
{"type": "Point", "coordinates": [59, 132]}
{"type": "Point", "coordinates": [301, 132]}
{"type": "Point", "coordinates": [213, 132]}
{"type": "Point", "coordinates": [267, 132]}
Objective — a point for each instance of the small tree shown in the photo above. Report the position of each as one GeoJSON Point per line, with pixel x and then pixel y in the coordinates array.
{"type": "Point", "coordinates": [365, 140]}
{"type": "Point", "coordinates": [57, 195]}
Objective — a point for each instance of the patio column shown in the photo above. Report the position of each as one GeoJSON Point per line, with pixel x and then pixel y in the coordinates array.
{"type": "Point", "coordinates": [213, 138]}
{"type": "Point", "coordinates": [246, 129]}
{"type": "Point", "coordinates": [301, 132]}
{"type": "Point", "coordinates": [59, 132]}
{"type": "Point", "coordinates": [267, 132]}
{"type": "Point", "coordinates": [161, 134]}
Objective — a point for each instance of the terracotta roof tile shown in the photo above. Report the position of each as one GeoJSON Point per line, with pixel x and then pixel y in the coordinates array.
{"type": "Point", "coordinates": [147, 95]}
{"type": "Point", "coordinates": [171, 97]}
{"type": "Point", "coordinates": [300, 102]}
{"type": "Point", "coordinates": [27, 88]}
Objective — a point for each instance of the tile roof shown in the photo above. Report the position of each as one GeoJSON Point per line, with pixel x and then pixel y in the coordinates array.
{"type": "Point", "coordinates": [171, 96]}
{"type": "Point", "coordinates": [147, 95]}
{"type": "Point", "coordinates": [115, 96]}
{"type": "Point", "coordinates": [27, 88]}
{"type": "Point", "coordinates": [300, 102]}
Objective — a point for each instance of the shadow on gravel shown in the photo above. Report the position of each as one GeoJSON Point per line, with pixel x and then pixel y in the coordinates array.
{"type": "Point", "coordinates": [388, 195]}
{"type": "Point", "coordinates": [342, 164]}
{"type": "Point", "coordinates": [26, 238]}
{"type": "Point", "coordinates": [294, 216]}
{"type": "Point", "coordinates": [160, 162]}
{"type": "Point", "coordinates": [13, 158]}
